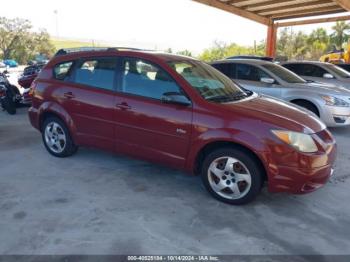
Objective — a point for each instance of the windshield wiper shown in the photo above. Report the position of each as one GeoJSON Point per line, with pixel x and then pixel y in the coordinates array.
{"type": "Point", "coordinates": [227, 98]}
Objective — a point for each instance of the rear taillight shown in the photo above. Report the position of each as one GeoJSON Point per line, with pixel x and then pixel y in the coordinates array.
{"type": "Point", "coordinates": [32, 89]}
{"type": "Point", "coordinates": [2, 92]}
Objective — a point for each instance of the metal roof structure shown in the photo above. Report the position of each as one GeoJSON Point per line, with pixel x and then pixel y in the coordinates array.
{"type": "Point", "coordinates": [273, 13]}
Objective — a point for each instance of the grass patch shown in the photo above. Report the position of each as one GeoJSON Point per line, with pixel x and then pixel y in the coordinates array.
{"type": "Point", "coordinates": [66, 43]}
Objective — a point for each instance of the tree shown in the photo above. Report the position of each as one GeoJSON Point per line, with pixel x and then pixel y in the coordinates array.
{"type": "Point", "coordinates": [43, 44]}
{"type": "Point", "coordinates": [300, 45]}
{"type": "Point", "coordinates": [12, 34]}
{"type": "Point", "coordinates": [292, 45]}
{"type": "Point", "coordinates": [169, 50]}
{"type": "Point", "coordinates": [18, 42]}
{"type": "Point", "coordinates": [184, 52]}
{"type": "Point", "coordinates": [320, 35]}
{"type": "Point", "coordinates": [222, 50]}
{"type": "Point", "coordinates": [340, 34]}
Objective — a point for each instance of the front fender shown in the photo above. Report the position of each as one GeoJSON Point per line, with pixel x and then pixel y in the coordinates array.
{"type": "Point", "coordinates": [239, 137]}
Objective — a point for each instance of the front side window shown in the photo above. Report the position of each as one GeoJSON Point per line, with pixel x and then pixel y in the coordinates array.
{"type": "Point", "coordinates": [249, 72]}
{"type": "Point", "coordinates": [145, 79]}
{"type": "Point", "coordinates": [208, 82]}
{"type": "Point", "coordinates": [284, 74]}
{"type": "Point", "coordinates": [98, 73]}
{"type": "Point", "coordinates": [61, 70]}
{"type": "Point", "coordinates": [313, 71]}
{"type": "Point", "coordinates": [337, 70]}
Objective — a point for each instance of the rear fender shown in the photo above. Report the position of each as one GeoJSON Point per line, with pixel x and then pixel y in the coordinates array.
{"type": "Point", "coordinates": [59, 111]}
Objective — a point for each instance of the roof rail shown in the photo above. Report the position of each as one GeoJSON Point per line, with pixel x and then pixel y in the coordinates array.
{"type": "Point", "coordinates": [65, 51]}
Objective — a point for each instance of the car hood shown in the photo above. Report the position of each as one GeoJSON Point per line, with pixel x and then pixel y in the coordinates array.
{"type": "Point", "coordinates": [324, 88]}
{"type": "Point", "coordinates": [277, 113]}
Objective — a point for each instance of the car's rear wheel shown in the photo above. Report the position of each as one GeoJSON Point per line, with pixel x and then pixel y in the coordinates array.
{"type": "Point", "coordinates": [57, 139]}
{"type": "Point", "coordinates": [8, 105]}
{"type": "Point", "coordinates": [232, 176]}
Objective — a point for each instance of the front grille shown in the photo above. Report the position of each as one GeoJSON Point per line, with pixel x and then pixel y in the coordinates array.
{"type": "Point", "coordinates": [339, 120]}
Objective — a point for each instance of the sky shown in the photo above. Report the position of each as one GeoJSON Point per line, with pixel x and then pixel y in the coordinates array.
{"type": "Point", "coordinates": [152, 24]}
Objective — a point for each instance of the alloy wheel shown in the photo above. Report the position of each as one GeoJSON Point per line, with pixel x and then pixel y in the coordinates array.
{"type": "Point", "coordinates": [229, 178]}
{"type": "Point", "coordinates": [55, 137]}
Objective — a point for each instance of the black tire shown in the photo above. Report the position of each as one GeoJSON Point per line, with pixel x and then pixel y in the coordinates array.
{"type": "Point", "coordinates": [249, 161]}
{"type": "Point", "coordinates": [8, 105]}
{"type": "Point", "coordinates": [69, 147]}
{"type": "Point", "coordinates": [308, 105]}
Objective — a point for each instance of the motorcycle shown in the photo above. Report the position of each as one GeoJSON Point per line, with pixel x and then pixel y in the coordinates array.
{"type": "Point", "coordinates": [29, 74]}
{"type": "Point", "coordinates": [10, 97]}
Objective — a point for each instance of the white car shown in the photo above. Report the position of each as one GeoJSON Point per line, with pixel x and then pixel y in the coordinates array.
{"type": "Point", "coordinates": [329, 102]}
{"type": "Point", "coordinates": [320, 72]}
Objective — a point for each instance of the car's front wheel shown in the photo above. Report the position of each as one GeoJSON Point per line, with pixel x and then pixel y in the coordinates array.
{"type": "Point", "coordinates": [56, 138]}
{"type": "Point", "coordinates": [232, 176]}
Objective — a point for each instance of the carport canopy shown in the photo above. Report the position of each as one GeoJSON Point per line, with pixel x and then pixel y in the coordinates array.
{"type": "Point", "coordinates": [273, 13]}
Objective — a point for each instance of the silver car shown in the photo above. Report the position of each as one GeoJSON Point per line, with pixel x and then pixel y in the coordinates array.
{"type": "Point", "coordinates": [320, 72]}
{"type": "Point", "coordinates": [329, 102]}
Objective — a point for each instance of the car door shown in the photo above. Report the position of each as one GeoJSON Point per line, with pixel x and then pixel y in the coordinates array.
{"type": "Point", "coordinates": [250, 76]}
{"type": "Point", "coordinates": [88, 95]}
{"type": "Point", "coordinates": [147, 127]}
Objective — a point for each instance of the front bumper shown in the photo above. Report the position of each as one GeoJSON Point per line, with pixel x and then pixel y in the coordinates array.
{"type": "Point", "coordinates": [300, 173]}
{"type": "Point", "coordinates": [300, 181]}
{"type": "Point", "coordinates": [335, 116]}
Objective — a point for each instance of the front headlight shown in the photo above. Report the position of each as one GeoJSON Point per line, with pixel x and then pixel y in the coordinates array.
{"type": "Point", "coordinates": [333, 101]}
{"type": "Point", "coordinates": [300, 141]}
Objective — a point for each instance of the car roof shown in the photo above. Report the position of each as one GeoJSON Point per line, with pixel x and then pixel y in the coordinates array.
{"type": "Point", "coordinates": [305, 62]}
{"type": "Point", "coordinates": [166, 57]}
{"type": "Point", "coordinates": [244, 61]}
{"type": "Point", "coordinates": [265, 58]}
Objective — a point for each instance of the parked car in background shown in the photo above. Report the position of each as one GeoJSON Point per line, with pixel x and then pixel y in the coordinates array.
{"type": "Point", "coordinates": [2, 65]}
{"type": "Point", "coordinates": [330, 103]}
{"type": "Point", "coordinates": [29, 74]}
{"type": "Point", "coordinates": [346, 67]}
{"type": "Point", "coordinates": [183, 113]}
{"type": "Point", "coordinates": [320, 72]}
{"type": "Point", "coordinates": [10, 63]}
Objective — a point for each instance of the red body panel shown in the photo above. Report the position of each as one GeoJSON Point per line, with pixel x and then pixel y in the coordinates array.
{"type": "Point", "coordinates": [175, 135]}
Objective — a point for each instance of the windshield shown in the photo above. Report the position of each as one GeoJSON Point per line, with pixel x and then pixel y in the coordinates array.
{"type": "Point", "coordinates": [284, 74]}
{"type": "Point", "coordinates": [209, 83]}
{"type": "Point", "coordinates": [337, 70]}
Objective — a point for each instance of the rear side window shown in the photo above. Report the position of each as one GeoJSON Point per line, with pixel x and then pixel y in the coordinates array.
{"type": "Point", "coordinates": [296, 68]}
{"type": "Point", "coordinates": [61, 70]}
{"type": "Point", "coordinates": [227, 69]}
{"type": "Point", "coordinates": [249, 72]}
{"type": "Point", "coordinates": [98, 73]}
{"type": "Point", "coordinates": [146, 79]}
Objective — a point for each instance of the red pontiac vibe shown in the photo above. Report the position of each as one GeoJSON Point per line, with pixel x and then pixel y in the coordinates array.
{"type": "Point", "coordinates": [182, 113]}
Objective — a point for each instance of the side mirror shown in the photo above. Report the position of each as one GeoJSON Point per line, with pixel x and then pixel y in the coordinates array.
{"type": "Point", "coordinates": [175, 98]}
{"type": "Point", "coordinates": [267, 80]}
{"type": "Point", "coordinates": [328, 76]}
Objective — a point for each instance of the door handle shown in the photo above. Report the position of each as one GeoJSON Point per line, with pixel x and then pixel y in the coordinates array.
{"type": "Point", "coordinates": [123, 106]}
{"type": "Point", "coordinates": [68, 95]}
